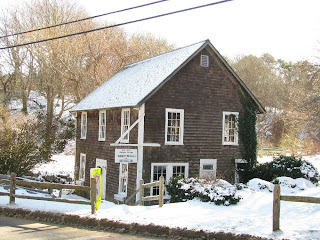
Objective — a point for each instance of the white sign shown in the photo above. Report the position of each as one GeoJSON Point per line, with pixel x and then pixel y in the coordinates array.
{"type": "Point", "coordinates": [126, 155]}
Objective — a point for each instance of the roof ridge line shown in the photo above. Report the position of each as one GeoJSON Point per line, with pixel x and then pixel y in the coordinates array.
{"type": "Point", "coordinates": [173, 50]}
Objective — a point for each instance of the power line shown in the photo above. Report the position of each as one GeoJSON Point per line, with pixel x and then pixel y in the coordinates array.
{"type": "Point", "coordinates": [83, 19]}
{"type": "Point", "coordinates": [117, 25]}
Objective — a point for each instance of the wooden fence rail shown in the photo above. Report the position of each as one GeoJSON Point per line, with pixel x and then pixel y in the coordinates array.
{"type": "Point", "coordinates": [13, 183]}
{"type": "Point", "coordinates": [159, 197]}
{"type": "Point", "coordinates": [275, 152]}
{"type": "Point", "coordinates": [276, 204]}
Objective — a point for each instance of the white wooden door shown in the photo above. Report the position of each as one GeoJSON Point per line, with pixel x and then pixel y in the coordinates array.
{"type": "Point", "coordinates": [100, 163]}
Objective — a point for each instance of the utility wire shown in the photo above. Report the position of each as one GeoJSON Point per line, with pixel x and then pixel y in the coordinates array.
{"type": "Point", "coordinates": [83, 19]}
{"type": "Point", "coordinates": [117, 25]}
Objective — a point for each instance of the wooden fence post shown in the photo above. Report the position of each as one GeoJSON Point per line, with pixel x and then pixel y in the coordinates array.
{"type": "Point", "coordinates": [141, 192]}
{"type": "Point", "coordinates": [276, 207]}
{"type": "Point", "coordinates": [93, 196]}
{"type": "Point", "coordinates": [161, 191]}
{"type": "Point", "coordinates": [12, 188]}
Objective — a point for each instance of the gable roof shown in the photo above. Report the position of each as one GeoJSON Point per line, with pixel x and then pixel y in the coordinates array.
{"type": "Point", "coordinates": [135, 83]}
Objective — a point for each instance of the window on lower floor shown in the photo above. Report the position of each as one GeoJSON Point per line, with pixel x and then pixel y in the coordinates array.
{"type": "Point", "coordinates": [82, 167]}
{"type": "Point", "coordinates": [167, 170]}
{"type": "Point", "coordinates": [178, 171]}
{"type": "Point", "coordinates": [230, 128]}
{"type": "Point", "coordinates": [158, 171]}
{"type": "Point", "coordinates": [208, 168]}
{"type": "Point", "coordinates": [123, 178]}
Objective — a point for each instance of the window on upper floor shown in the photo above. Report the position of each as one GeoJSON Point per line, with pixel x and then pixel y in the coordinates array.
{"type": "Point", "coordinates": [83, 125]}
{"type": "Point", "coordinates": [204, 61]}
{"type": "Point", "coordinates": [174, 126]}
{"type": "Point", "coordinates": [102, 125]}
{"type": "Point", "coordinates": [125, 124]}
{"type": "Point", "coordinates": [230, 128]}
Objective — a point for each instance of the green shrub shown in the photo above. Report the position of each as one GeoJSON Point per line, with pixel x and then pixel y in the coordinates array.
{"type": "Point", "coordinates": [220, 192]}
{"type": "Point", "coordinates": [285, 166]}
{"type": "Point", "coordinates": [19, 150]}
{"type": "Point", "coordinates": [174, 189]}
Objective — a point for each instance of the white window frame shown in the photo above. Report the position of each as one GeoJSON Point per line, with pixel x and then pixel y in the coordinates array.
{"type": "Point", "coordinates": [102, 127]}
{"type": "Point", "coordinates": [181, 127]}
{"type": "Point", "coordinates": [125, 126]}
{"type": "Point", "coordinates": [120, 190]}
{"type": "Point", "coordinates": [84, 127]}
{"type": "Point", "coordinates": [82, 165]}
{"type": "Point", "coordinates": [169, 171]}
{"type": "Point", "coordinates": [208, 173]}
{"type": "Point", "coordinates": [204, 60]}
{"type": "Point", "coordinates": [224, 130]}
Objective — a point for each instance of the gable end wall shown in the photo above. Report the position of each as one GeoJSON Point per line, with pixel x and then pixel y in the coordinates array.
{"type": "Point", "coordinates": [203, 93]}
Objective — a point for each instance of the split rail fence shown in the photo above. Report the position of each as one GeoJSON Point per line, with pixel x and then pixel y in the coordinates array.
{"type": "Point", "coordinates": [13, 183]}
{"type": "Point", "coordinates": [141, 188]}
{"type": "Point", "coordinates": [276, 204]}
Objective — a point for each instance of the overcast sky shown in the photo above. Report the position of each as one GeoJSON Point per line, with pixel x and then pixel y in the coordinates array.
{"type": "Point", "coordinates": [287, 29]}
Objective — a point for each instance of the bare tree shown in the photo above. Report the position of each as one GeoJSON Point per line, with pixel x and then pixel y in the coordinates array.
{"type": "Point", "coordinates": [14, 60]}
{"type": "Point", "coordinates": [64, 71]}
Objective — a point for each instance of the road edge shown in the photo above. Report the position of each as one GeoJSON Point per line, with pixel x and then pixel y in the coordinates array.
{"type": "Point", "coordinates": [115, 226]}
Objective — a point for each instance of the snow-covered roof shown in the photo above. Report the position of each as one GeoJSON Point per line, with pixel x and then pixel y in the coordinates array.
{"type": "Point", "coordinates": [133, 83]}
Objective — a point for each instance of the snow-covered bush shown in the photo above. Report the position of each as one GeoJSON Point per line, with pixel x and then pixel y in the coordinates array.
{"type": "Point", "coordinates": [288, 185]}
{"type": "Point", "coordinates": [286, 166]}
{"type": "Point", "coordinates": [217, 191]}
{"type": "Point", "coordinates": [298, 183]}
{"type": "Point", "coordinates": [260, 185]}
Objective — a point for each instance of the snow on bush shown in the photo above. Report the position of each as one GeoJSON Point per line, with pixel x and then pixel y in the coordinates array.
{"type": "Point", "coordinates": [288, 185]}
{"type": "Point", "coordinates": [217, 191]}
{"type": "Point", "coordinates": [260, 185]}
{"type": "Point", "coordinates": [286, 166]}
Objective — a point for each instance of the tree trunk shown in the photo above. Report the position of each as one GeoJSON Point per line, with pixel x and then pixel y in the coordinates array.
{"type": "Point", "coordinates": [24, 99]}
{"type": "Point", "coordinates": [48, 141]}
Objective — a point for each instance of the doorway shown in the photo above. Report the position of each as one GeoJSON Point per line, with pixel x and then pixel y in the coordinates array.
{"type": "Point", "coordinates": [100, 163]}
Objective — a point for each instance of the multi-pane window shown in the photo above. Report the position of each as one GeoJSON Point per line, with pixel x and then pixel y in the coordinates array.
{"type": "Point", "coordinates": [102, 125]}
{"type": "Point", "coordinates": [83, 125]}
{"type": "Point", "coordinates": [167, 170]}
{"type": "Point", "coordinates": [158, 171]}
{"type": "Point", "coordinates": [82, 167]}
{"type": "Point", "coordinates": [178, 171]}
{"type": "Point", "coordinates": [123, 180]}
{"type": "Point", "coordinates": [174, 126]}
{"type": "Point", "coordinates": [125, 123]}
{"type": "Point", "coordinates": [230, 128]}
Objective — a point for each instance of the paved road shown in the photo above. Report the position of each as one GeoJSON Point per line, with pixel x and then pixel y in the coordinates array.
{"type": "Point", "coordinates": [15, 228]}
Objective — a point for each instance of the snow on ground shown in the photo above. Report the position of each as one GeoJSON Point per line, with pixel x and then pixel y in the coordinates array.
{"type": "Point", "coordinates": [60, 165]}
{"type": "Point", "coordinates": [37, 102]}
{"type": "Point", "coordinates": [252, 215]}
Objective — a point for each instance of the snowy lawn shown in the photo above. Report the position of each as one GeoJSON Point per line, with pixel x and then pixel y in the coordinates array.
{"type": "Point", "coordinates": [252, 215]}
